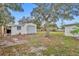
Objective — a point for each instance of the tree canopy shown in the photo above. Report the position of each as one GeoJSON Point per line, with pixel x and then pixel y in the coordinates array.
{"type": "Point", "coordinates": [56, 11]}
{"type": "Point", "coordinates": [51, 12]}
{"type": "Point", "coordinates": [5, 15]}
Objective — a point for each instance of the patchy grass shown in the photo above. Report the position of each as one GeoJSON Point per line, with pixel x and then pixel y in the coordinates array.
{"type": "Point", "coordinates": [57, 45]}
{"type": "Point", "coordinates": [51, 33]}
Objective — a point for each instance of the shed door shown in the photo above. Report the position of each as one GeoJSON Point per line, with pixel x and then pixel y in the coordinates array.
{"type": "Point", "coordinates": [30, 29]}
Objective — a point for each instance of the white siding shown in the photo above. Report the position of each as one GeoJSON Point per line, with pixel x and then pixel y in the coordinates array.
{"type": "Point", "coordinates": [30, 29]}
{"type": "Point", "coordinates": [25, 29]}
{"type": "Point", "coordinates": [68, 30]}
{"type": "Point", "coordinates": [14, 30]}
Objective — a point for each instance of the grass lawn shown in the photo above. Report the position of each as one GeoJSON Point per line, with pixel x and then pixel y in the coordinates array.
{"type": "Point", "coordinates": [57, 44]}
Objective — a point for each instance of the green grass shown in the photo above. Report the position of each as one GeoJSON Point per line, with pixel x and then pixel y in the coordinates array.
{"type": "Point", "coordinates": [51, 33]}
{"type": "Point", "coordinates": [57, 45]}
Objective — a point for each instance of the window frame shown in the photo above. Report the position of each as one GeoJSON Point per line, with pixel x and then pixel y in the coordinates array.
{"type": "Point", "coordinates": [18, 27]}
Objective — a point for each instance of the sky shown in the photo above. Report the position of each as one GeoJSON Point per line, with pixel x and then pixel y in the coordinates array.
{"type": "Point", "coordinates": [28, 7]}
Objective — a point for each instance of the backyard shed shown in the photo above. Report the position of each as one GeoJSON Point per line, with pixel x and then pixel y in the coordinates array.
{"type": "Point", "coordinates": [28, 28]}
{"type": "Point", "coordinates": [69, 28]}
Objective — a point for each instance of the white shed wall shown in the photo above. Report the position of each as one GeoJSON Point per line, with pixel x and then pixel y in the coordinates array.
{"type": "Point", "coordinates": [68, 30]}
{"type": "Point", "coordinates": [30, 28]}
{"type": "Point", "coordinates": [23, 30]}
{"type": "Point", "coordinates": [14, 30]}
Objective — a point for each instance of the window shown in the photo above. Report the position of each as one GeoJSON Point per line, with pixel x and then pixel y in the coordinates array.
{"type": "Point", "coordinates": [18, 27]}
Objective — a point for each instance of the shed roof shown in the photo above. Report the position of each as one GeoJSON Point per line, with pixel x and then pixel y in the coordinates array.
{"type": "Point", "coordinates": [31, 24]}
{"type": "Point", "coordinates": [21, 24]}
{"type": "Point", "coordinates": [71, 24]}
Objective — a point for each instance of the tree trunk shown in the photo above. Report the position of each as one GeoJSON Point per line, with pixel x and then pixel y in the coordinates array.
{"type": "Point", "coordinates": [2, 31]}
{"type": "Point", "coordinates": [47, 25]}
{"type": "Point", "coordinates": [47, 34]}
{"type": "Point", "coordinates": [62, 23]}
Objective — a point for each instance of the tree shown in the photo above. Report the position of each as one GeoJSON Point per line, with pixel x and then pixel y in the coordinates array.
{"type": "Point", "coordinates": [25, 20]}
{"type": "Point", "coordinates": [37, 21]}
{"type": "Point", "coordinates": [22, 20]}
{"type": "Point", "coordinates": [5, 18]}
{"type": "Point", "coordinates": [5, 15]}
{"type": "Point", "coordinates": [51, 12]}
{"type": "Point", "coordinates": [70, 11]}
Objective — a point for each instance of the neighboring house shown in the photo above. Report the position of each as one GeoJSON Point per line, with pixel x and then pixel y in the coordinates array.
{"type": "Point", "coordinates": [69, 28]}
{"type": "Point", "coordinates": [28, 28]}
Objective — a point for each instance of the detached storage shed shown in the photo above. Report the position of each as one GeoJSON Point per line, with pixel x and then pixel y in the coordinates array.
{"type": "Point", "coordinates": [28, 28]}
{"type": "Point", "coordinates": [69, 28]}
